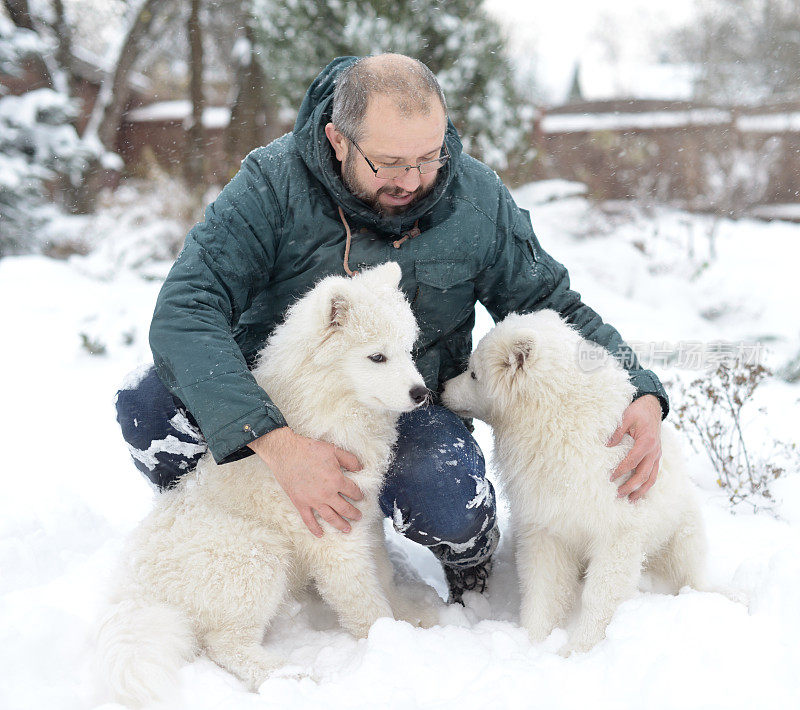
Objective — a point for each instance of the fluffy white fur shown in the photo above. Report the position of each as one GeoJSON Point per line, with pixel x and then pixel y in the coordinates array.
{"type": "Point", "coordinates": [209, 567]}
{"type": "Point", "coordinates": [553, 400]}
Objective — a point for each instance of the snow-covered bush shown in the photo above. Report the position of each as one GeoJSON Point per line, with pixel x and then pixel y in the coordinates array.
{"type": "Point", "coordinates": [16, 44]}
{"type": "Point", "coordinates": [40, 150]}
{"type": "Point", "coordinates": [134, 228]}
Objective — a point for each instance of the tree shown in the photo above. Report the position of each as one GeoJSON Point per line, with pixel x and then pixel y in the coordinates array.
{"type": "Point", "coordinates": [194, 163]}
{"type": "Point", "coordinates": [254, 115]}
{"type": "Point", "coordinates": [114, 92]}
{"type": "Point", "coordinates": [460, 43]}
{"type": "Point", "coordinates": [746, 51]}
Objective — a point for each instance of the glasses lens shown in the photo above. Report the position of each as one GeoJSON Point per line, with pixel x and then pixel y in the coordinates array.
{"type": "Point", "coordinates": [391, 172]}
{"type": "Point", "coordinates": [395, 172]}
{"type": "Point", "coordinates": [431, 165]}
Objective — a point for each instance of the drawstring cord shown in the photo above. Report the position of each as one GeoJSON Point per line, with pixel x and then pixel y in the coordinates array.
{"type": "Point", "coordinates": [410, 234]}
{"type": "Point", "coordinates": [346, 244]}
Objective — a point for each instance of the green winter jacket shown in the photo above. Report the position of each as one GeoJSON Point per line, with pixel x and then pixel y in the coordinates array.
{"type": "Point", "coordinates": [275, 230]}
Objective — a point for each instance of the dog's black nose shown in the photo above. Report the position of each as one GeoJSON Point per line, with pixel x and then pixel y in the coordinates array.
{"type": "Point", "coordinates": [418, 394]}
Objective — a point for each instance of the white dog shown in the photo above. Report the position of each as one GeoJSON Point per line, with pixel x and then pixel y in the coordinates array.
{"type": "Point", "coordinates": [551, 418]}
{"type": "Point", "coordinates": [210, 566]}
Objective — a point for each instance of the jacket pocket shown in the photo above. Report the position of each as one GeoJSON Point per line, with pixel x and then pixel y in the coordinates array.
{"type": "Point", "coordinates": [524, 234]}
{"type": "Point", "coordinates": [443, 274]}
{"type": "Point", "coordinates": [445, 296]}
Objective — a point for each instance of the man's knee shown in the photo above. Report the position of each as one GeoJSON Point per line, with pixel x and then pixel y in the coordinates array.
{"type": "Point", "coordinates": [433, 444]}
{"type": "Point", "coordinates": [163, 439]}
{"type": "Point", "coordinates": [437, 488]}
{"type": "Point", "coordinates": [131, 403]}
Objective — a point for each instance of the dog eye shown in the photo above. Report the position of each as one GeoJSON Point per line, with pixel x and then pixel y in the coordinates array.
{"type": "Point", "coordinates": [472, 374]}
{"type": "Point", "coordinates": [378, 357]}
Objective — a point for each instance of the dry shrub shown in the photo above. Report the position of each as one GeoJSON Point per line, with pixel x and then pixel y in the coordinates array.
{"type": "Point", "coordinates": [711, 416]}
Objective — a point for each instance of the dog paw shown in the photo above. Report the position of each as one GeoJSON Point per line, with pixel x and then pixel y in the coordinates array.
{"type": "Point", "coordinates": [738, 596]}
{"type": "Point", "coordinates": [577, 645]}
{"type": "Point", "coordinates": [539, 632]}
{"type": "Point", "coordinates": [286, 673]}
{"type": "Point", "coordinates": [566, 650]}
{"type": "Point", "coordinates": [359, 632]}
{"type": "Point", "coordinates": [421, 617]}
{"type": "Point", "coordinates": [417, 613]}
{"type": "Point", "coordinates": [360, 629]}
{"type": "Point", "coordinates": [291, 673]}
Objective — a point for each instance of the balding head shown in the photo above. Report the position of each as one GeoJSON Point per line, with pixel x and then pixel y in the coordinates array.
{"type": "Point", "coordinates": [410, 85]}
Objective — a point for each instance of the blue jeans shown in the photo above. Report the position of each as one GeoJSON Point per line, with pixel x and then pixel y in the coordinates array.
{"type": "Point", "coordinates": [436, 491]}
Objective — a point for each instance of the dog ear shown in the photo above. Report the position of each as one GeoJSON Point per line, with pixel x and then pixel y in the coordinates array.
{"type": "Point", "coordinates": [388, 274]}
{"type": "Point", "coordinates": [338, 309]}
{"type": "Point", "coordinates": [520, 352]}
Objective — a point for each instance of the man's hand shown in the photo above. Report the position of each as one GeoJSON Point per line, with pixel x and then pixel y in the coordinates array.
{"type": "Point", "coordinates": [642, 420]}
{"type": "Point", "coordinates": [310, 472]}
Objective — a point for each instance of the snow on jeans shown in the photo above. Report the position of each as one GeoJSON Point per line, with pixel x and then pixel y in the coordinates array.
{"type": "Point", "coordinates": [436, 491]}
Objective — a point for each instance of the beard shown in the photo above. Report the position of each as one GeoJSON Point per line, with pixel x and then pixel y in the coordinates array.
{"type": "Point", "coordinates": [359, 190]}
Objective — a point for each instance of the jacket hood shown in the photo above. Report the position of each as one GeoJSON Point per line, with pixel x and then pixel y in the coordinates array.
{"type": "Point", "coordinates": [316, 151]}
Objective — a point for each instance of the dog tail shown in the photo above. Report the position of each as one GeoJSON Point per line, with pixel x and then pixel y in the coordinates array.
{"type": "Point", "coordinates": [140, 648]}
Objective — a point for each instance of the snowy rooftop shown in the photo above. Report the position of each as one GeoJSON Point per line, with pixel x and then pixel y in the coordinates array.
{"type": "Point", "coordinates": [769, 123]}
{"type": "Point", "coordinates": [668, 118]}
{"type": "Point", "coordinates": [95, 68]}
{"type": "Point", "coordinates": [579, 122]}
{"type": "Point", "coordinates": [181, 110]}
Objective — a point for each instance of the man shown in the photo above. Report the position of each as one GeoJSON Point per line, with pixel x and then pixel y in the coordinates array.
{"type": "Point", "coordinates": [372, 172]}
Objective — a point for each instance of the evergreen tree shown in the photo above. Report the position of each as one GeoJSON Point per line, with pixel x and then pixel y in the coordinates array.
{"type": "Point", "coordinates": [575, 93]}
{"type": "Point", "coordinates": [460, 43]}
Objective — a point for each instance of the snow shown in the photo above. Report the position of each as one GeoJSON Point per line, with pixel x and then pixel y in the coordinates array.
{"type": "Point", "coordinates": [242, 51]}
{"type": "Point", "coordinates": [482, 492]}
{"type": "Point", "coordinates": [544, 191]}
{"type": "Point", "coordinates": [647, 120]}
{"type": "Point", "coordinates": [104, 66]}
{"type": "Point", "coordinates": [774, 123]}
{"type": "Point", "coordinates": [180, 110]}
{"type": "Point", "coordinates": [770, 123]}
{"type": "Point", "coordinates": [789, 211]}
{"type": "Point", "coordinates": [170, 445]}
{"type": "Point", "coordinates": [71, 495]}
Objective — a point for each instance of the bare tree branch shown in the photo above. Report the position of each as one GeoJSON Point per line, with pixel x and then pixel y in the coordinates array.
{"type": "Point", "coordinates": [114, 92]}
{"type": "Point", "coordinates": [113, 97]}
{"type": "Point", "coordinates": [64, 56]}
{"type": "Point", "coordinates": [20, 13]}
{"type": "Point", "coordinates": [254, 114]}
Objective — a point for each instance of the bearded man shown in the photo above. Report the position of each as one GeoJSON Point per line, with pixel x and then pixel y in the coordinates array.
{"type": "Point", "coordinates": [372, 172]}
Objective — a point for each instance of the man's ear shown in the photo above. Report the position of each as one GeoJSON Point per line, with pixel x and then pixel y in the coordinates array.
{"type": "Point", "coordinates": [337, 140]}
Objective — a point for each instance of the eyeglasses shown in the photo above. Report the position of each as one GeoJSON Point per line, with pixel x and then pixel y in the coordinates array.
{"type": "Point", "coordinates": [394, 172]}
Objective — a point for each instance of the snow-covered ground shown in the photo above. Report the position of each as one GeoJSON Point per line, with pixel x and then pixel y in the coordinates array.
{"type": "Point", "coordinates": [70, 494]}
